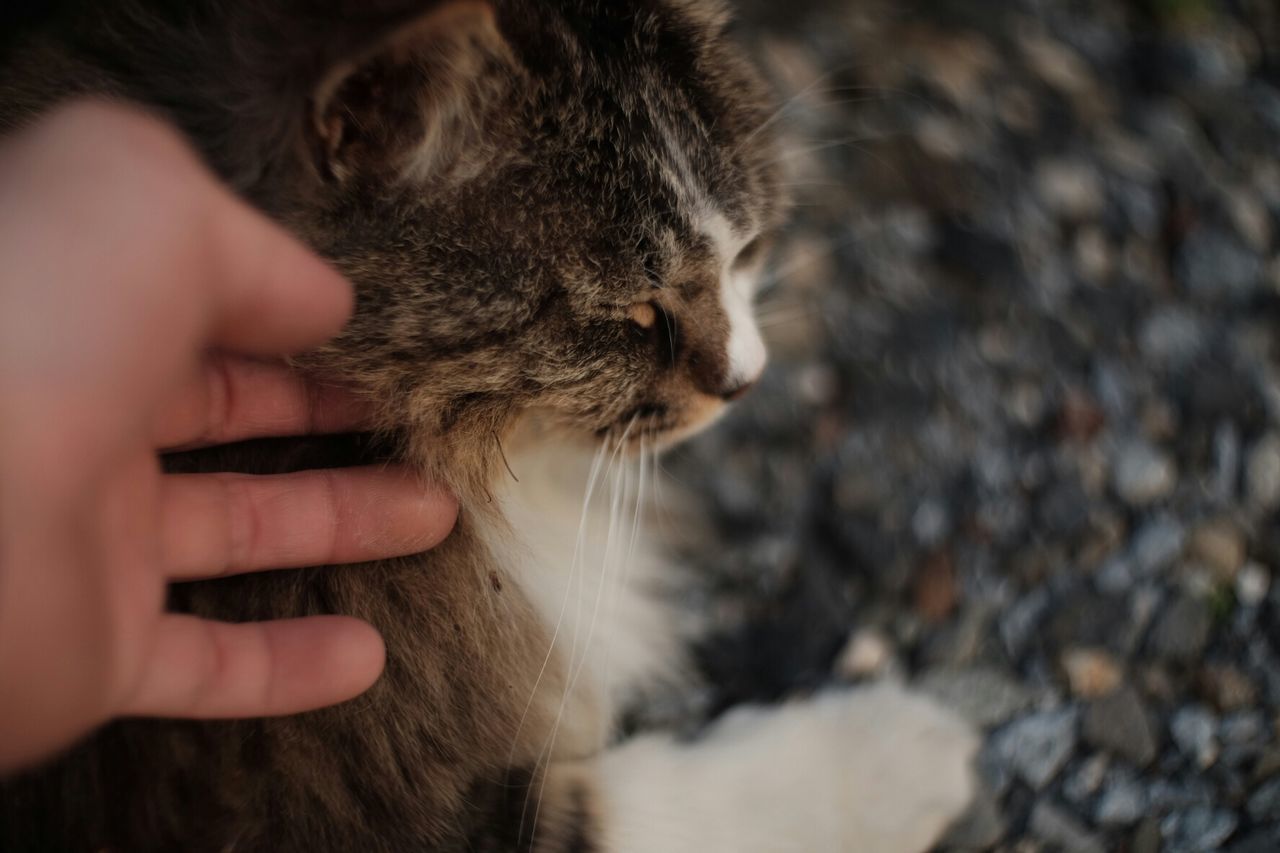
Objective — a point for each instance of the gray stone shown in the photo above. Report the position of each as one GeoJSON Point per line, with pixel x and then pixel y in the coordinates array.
{"type": "Point", "coordinates": [1252, 584]}
{"type": "Point", "coordinates": [984, 696]}
{"type": "Point", "coordinates": [1036, 747]}
{"type": "Point", "coordinates": [1053, 825]}
{"type": "Point", "coordinates": [1120, 724]}
{"type": "Point", "coordinates": [1197, 829]}
{"type": "Point", "coordinates": [1263, 840]}
{"type": "Point", "coordinates": [1140, 204]}
{"type": "Point", "coordinates": [1179, 794]}
{"type": "Point", "coordinates": [1194, 730]}
{"type": "Point", "coordinates": [1116, 575]}
{"type": "Point", "coordinates": [1084, 782]}
{"type": "Point", "coordinates": [1225, 480]}
{"type": "Point", "coordinates": [958, 642]}
{"type": "Point", "coordinates": [1214, 265]}
{"type": "Point", "coordinates": [1141, 473]}
{"type": "Point", "coordinates": [1245, 728]}
{"type": "Point", "coordinates": [1157, 544]}
{"type": "Point", "coordinates": [1064, 508]}
{"type": "Point", "coordinates": [1182, 631]}
{"type": "Point", "coordinates": [1019, 622]}
{"type": "Point", "coordinates": [1264, 803]}
{"type": "Point", "coordinates": [1086, 619]}
{"type": "Point", "coordinates": [1121, 804]}
{"type": "Point", "coordinates": [1070, 189]}
{"type": "Point", "coordinates": [1171, 336]}
{"type": "Point", "coordinates": [1203, 62]}
{"type": "Point", "coordinates": [1262, 473]}
{"type": "Point", "coordinates": [931, 522]}
{"type": "Point", "coordinates": [996, 775]}
{"type": "Point", "coordinates": [1146, 838]}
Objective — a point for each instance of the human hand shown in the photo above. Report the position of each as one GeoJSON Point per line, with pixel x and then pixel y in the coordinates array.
{"type": "Point", "coordinates": [135, 295]}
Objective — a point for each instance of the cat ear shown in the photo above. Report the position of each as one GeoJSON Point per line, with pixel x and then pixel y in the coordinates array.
{"type": "Point", "coordinates": [713, 16]}
{"type": "Point", "coordinates": [412, 99]}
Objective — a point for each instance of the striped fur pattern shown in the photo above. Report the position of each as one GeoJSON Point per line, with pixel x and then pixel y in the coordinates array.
{"type": "Point", "coordinates": [553, 213]}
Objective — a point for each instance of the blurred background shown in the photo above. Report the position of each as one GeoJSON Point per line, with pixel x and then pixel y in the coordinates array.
{"type": "Point", "coordinates": [1020, 442]}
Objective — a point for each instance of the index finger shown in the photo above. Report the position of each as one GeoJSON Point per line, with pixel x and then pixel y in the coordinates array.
{"type": "Point", "coordinates": [232, 399]}
{"type": "Point", "coordinates": [273, 295]}
{"type": "Point", "coordinates": [187, 255]}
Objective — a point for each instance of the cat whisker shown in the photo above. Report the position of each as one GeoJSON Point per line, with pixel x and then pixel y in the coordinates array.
{"type": "Point", "coordinates": [812, 88]}
{"type": "Point", "coordinates": [622, 577]}
{"type": "Point", "coordinates": [593, 477]}
{"type": "Point", "coordinates": [852, 141]}
{"type": "Point", "coordinates": [577, 665]}
{"type": "Point", "coordinates": [785, 319]}
{"type": "Point", "coordinates": [778, 274]}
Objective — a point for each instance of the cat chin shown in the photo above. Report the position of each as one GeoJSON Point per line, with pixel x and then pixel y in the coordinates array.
{"type": "Point", "coordinates": [631, 433]}
{"type": "Point", "coordinates": [662, 431]}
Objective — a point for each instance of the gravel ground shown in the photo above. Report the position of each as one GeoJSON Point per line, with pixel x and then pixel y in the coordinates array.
{"type": "Point", "coordinates": [1020, 442]}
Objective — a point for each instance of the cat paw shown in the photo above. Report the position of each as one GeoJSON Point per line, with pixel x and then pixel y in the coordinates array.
{"type": "Point", "coordinates": [871, 769]}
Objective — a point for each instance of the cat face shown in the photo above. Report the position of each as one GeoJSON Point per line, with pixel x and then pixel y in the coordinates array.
{"type": "Point", "coordinates": [562, 213]}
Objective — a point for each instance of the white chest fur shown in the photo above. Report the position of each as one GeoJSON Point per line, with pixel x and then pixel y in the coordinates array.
{"type": "Point", "coordinates": [580, 552]}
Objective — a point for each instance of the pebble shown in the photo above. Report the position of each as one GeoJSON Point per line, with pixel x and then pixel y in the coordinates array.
{"type": "Point", "coordinates": [1085, 781]}
{"type": "Point", "coordinates": [1037, 746]}
{"type": "Point", "coordinates": [1220, 546]}
{"type": "Point", "coordinates": [1122, 804]}
{"type": "Point", "coordinates": [1142, 474]}
{"type": "Point", "coordinates": [984, 696]}
{"type": "Point", "coordinates": [1182, 631]}
{"type": "Point", "coordinates": [1246, 728]}
{"type": "Point", "coordinates": [1085, 619]}
{"type": "Point", "coordinates": [1225, 480]}
{"type": "Point", "coordinates": [1146, 838]}
{"type": "Point", "coordinates": [1227, 687]}
{"type": "Point", "coordinates": [867, 653]}
{"type": "Point", "coordinates": [1064, 508]}
{"type": "Point", "coordinates": [930, 523]}
{"type": "Point", "coordinates": [1090, 672]}
{"type": "Point", "coordinates": [958, 642]}
{"type": "Point", "coordinates": [1019, 622]}
{"type": "Point", "coordinates": [1252, 584]}
{"type": "Point", "coordinates": [936, 593]}
{"type": "Point", "coordinates": [1262, 473]}
{"type": "Point", "coordinates": [1213, 265]}
{"type": "Point", "coordinates": [1250, 217]}
{"type": "Point", "coordinates": [1080, 417]}
{"type": "Point", "coordinates": [1172, 336]}
{"type": "Point", "coordinates": [1120, 724]}
{"type": "Point", "coordinates": [1264, 803]}
{"type": "Point", "coordinates": [1197, 829]}
{"type": "Point", "coordinates": [1054, 825]}
{"type": "Point", "coordinates": [1058, 65]}
{"type": "Point", "coordinates": [1094, 257]}
{"type": "Point", "coordinates": [1070, 189]}
{"type": "Point", "coordinates": [1194, 730]}
{"type": "Point", "coordinates": [1265, 840]}
{"type": "Point", "coordinates": [1157, 545]}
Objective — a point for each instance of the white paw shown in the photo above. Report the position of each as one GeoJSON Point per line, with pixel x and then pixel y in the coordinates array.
{"type": "Point", "coordinates": [874, 769]}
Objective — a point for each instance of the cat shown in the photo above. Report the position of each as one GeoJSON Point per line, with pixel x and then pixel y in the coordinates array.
{"type": "Point", "coordinates": [553, 213]}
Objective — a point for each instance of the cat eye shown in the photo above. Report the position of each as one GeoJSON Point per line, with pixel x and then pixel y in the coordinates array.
{"type": "Point", "coordinates": [643, 314]}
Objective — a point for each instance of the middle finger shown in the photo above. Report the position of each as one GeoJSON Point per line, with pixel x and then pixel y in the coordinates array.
{"type": "Point", "coordinates": [222, 524]}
